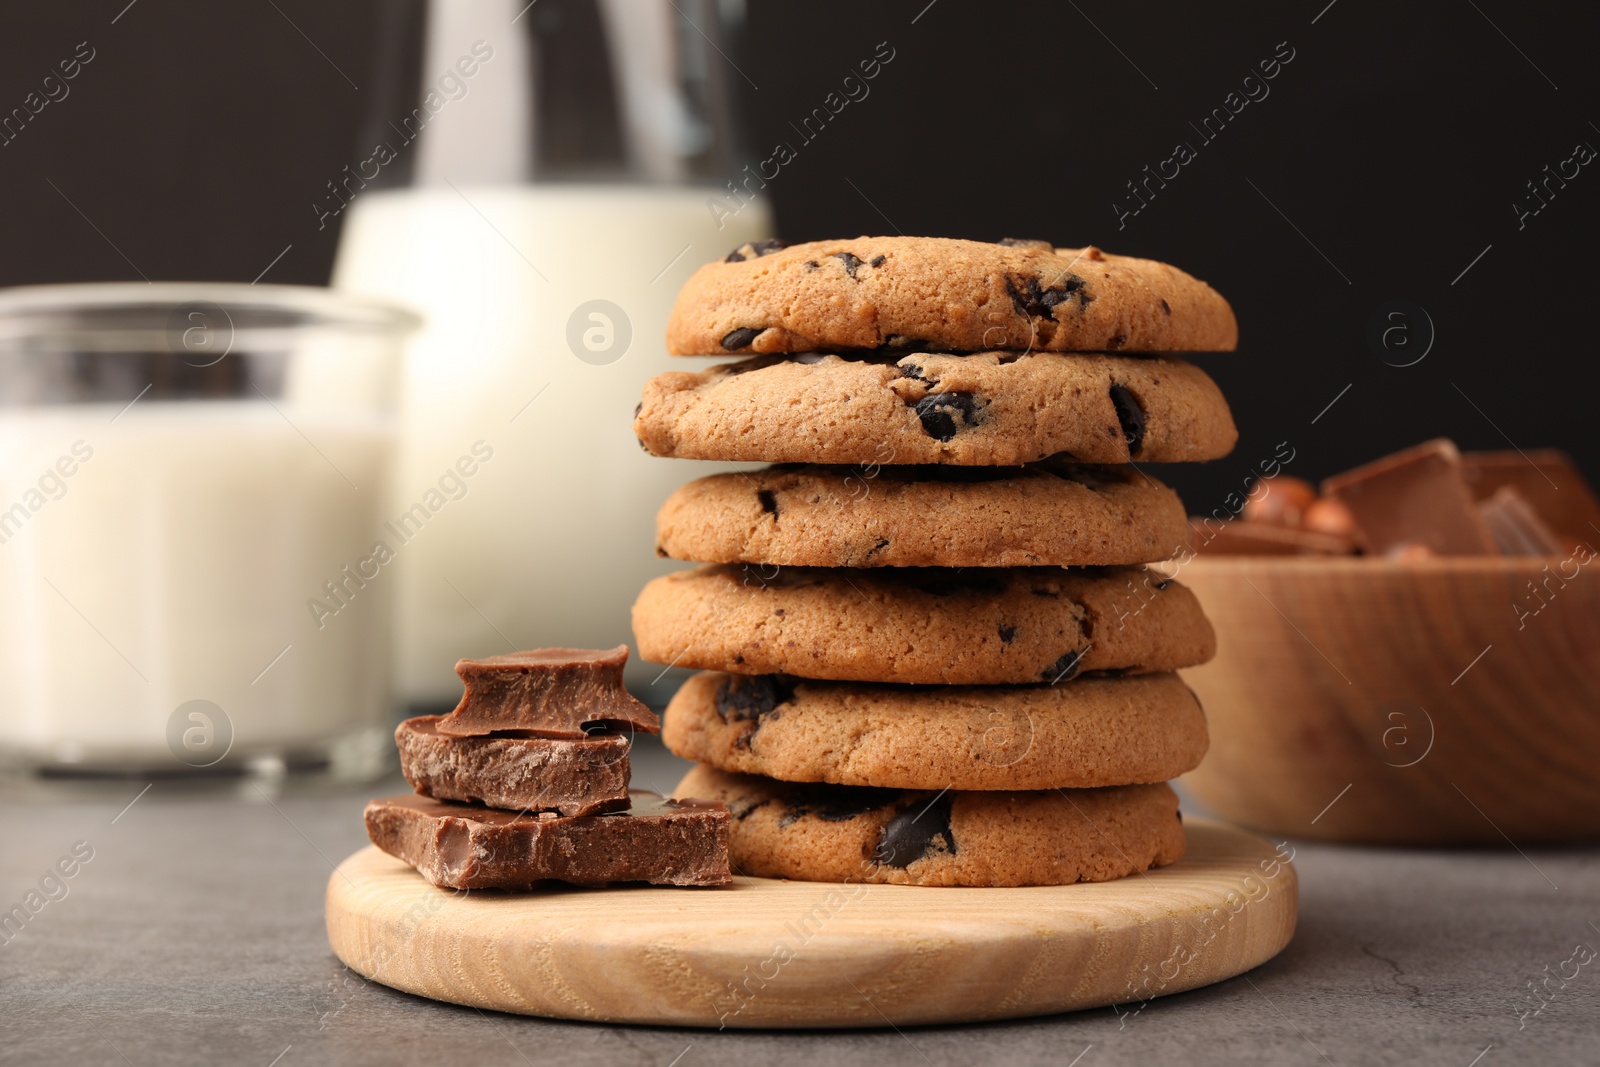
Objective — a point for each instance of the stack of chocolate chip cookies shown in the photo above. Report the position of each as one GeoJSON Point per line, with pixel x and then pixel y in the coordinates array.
{"type": "Point", "coordinates": [932, 653]}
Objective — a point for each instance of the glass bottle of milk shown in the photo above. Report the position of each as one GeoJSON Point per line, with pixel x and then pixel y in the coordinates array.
{"type": "Point", "coordinates": [540, 196]}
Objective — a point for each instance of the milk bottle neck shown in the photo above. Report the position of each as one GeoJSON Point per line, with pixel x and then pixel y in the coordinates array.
{"type": "Point", "coordinates": [504, 92]}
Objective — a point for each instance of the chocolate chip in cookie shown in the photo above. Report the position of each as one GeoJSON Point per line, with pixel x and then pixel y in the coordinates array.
{"type": "Point", "coordinates": [943, 415]}
{"type": "Point", "coordinates": [742, 699]}
{"type": "Point", "coordinates": [917, 832]}
{"type": "Point", "coordinates": [1064, 669]}
{"type": "Point", "coordinates": [736, 339]}
{"type": "Point", "coordinates": [1037, 300]}
{"type": "Point", "coordinates": [1130, 414]}
{"type": "Point", "coordinates": [754, 250]}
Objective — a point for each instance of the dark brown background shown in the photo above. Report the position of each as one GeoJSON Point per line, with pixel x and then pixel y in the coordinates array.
{"type": "Point", "coordinates": [1396, 142]}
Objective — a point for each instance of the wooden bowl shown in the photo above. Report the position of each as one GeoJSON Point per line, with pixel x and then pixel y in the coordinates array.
{"type": "Point", "coordinates": [1444, 701]}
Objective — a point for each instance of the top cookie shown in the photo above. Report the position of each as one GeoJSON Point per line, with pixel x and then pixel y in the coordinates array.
{"type": "Point", "coordinates": [938, 294]}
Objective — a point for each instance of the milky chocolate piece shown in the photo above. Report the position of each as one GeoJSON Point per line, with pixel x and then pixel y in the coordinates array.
{"type": "Point", "coordinates": [1239, 537]}
{"type": "Point", "coordinates": [1548, 480]}
{"type": "Point", "coordinates": [1417, 496]}
{"type": "Point", "coordinates": [548, 692]}
{"type": "Point", "coordinates": [534, 774]}
{"type": "Point", "coordinates": [1516, 527]}
{"type": "Point", "coordinates": [461, 846]}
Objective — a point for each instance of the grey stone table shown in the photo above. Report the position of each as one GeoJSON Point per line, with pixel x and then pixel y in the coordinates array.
{"type": "Point", "coordinates": [194, 934]}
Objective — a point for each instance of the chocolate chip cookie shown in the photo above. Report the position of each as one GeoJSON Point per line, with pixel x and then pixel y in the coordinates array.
{"type": "Point", "coordinates": [1089, 733]}
{"type": "Point", "coordinates": [1055, 514]}
{"type": "Point", "coordinates": [915, 625]}
{"type": "Point", "coordinates": [984, 409]}
{"type": "Point", "coordinates": [839, 833]}
{"type": "Point", "coordinates": [940, 294]}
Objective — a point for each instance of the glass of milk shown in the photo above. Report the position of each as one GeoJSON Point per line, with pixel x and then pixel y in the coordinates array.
{"type": "Point", "coordinates": [540, 189]}
{"type": "Point", "coordinates": [194, 567]}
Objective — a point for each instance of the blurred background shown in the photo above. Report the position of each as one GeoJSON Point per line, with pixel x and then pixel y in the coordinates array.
{"type": "Point", "coordinates": [1344, 160]}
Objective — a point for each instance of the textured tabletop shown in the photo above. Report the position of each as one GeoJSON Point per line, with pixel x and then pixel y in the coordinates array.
{"type": "Point", "coordinates": [194, 935]}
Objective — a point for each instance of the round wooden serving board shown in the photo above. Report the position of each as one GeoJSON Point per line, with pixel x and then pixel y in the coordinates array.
{"type": "Point", "coordinates": [815, 954]}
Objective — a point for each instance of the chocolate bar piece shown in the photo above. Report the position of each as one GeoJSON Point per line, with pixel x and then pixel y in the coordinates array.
{"type": "Point", "coordinates": [460, 846]}
{"type": "Point", "coordinates": [1548, 480]}
{"type": "Point", "coordinates": [1418, 496]}
{"type": "Point", "coordinates": [1516, 527]}
{"type": "Point", "coordinates": [1238, 537]}
{"type": "Point", "coordinates": [531, 774]}
{"type": "Point", "coordinates": [549, 692]}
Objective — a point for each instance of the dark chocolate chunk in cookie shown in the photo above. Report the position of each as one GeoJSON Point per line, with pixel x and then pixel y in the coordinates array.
{"type": "Point", "coordinates": [918, 831]}
{"type": "Point", "coordinates": [754, 250]}
{"type": "Point", "coordinates": [1131, 416]}
{"type": "Point", "coordinates": [1037, 300]}
{"type": "Point", "coordinates": [851, 262]}
{"type": "Point", "coordinates": [943, 415]}
{"type": "Point", "coordinates": [739, 338]}
{"type": "Point", "coordinates": [1064, 669]}
{"type": "Point", "coordinates": [741, 699]}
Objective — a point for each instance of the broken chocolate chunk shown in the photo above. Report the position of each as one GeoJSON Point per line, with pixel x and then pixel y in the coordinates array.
{"type": "Point", "coordinates": [461, 846]}
{"type": "Point", "coordinates": [916, 832]}
{"type": "Point", "coordinates": [1007, 634]}
{"type": "Point", "coordinates": [548, 692]}
{"type": "Point", "coordinates": [754, 250]}
{"type": "Point", "coordinates": [739, 338]}
{"type": "Point", "coordinates": [1130, 415]}
{"type": "Point", "coordinates": [748, 697]}
{"type": "Point", "coordinates": [944, 414]}
{"type": "Point", "coordinates": [769, 502]}
{"type": "Point", "coordinates": [877, 261]}
{"type": "Point", "coordinates": [850, 261]}
{"type": "Point", "coordinates": [522, 773]}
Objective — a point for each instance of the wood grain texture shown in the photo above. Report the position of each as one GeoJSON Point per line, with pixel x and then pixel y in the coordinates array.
{"type": "Point", "coordinates": [764, 953]}
{"type": "Point", "coordinates": [1456, 698]}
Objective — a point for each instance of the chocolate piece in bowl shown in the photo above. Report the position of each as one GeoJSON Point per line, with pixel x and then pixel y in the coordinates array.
{"type": "Point", "coordinates": [532, 774]}
{"type": "Point", "coordinates": [1548, 480]}
{"type": "Point", "coordinates": [460, 846]}
{"type": "Point", "coordinates": [548, 692]}
{"type": "Point", "coordinates": [1516, 527]}
{"type": "Point", "coordinates": [1416, 496]}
